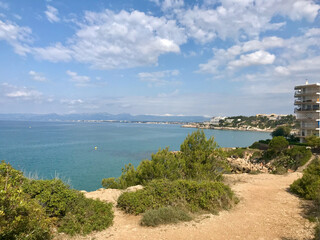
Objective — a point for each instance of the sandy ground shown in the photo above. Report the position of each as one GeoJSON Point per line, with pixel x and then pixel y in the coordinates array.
{"type": "Point", "coordinates": [266, 211]}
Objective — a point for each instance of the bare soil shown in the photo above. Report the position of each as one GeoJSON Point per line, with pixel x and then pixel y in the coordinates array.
{"type": "Point", "coordinates": [266, 211]}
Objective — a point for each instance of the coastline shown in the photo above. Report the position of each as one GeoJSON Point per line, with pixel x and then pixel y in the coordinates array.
{"type": "Point", "coordinates": [249, 128]}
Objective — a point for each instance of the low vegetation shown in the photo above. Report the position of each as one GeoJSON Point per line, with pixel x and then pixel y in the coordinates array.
{"type": "Point", "coordinates": [308, 187]}
{"type": "Point", "coordinates": [30, 209]}
{"type": "Point", "coordinates": [199, 159]}
{"type": "Point", "coordinates": [237, 152]}
{"type": "Point", "coordinates": [314, 142]}
{"type": "Point", "coordinates": [283, 131]}
{"type": "Point", "coordinates": [21, 217]}
{"type": "Point", "coordinates": [191, 195]}
{"type": "Point", "coordinates": [165, 215]}
{"type": "Point", "coordinates": [280, 155]}
{"type": "Point", "coordinates": [176, 183]}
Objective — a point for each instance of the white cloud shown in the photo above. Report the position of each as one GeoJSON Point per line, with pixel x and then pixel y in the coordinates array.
{"type": "Point", "coordinates": [81, 81]}
{"type": "Point", "coordinates": [190, 54]}
{"type": "Point", "coordinates": [282, 71]}
{"type": "Point", "coordinates": [211, 104]}
{"type": "Point", "coordinates": [52, 14]}
{"type": "Point", "coordinates": [110, 40]}
{"type": "Point", "coordinates": [304, 9]}
{"type": "Point", "coordinates": [287, 51]}
{"type": "Point", "coordinates": [56, 53]}
{"type": "Point", "coordinates": [227, 57]}
{"type": "Point", "coordinates": [157, 2]}
{"type": "Point", "coordinates": [266, 43]}
{"type": "Point", "coordinates": [234, 18]}
{"type": "Point", "coordinates": [17, 16]}
{"type": "Point", "coordinates": [37, 76]}
{"type": "Point", "coordinates": [313, 32]}
{"type": "Point", "coordinates": [16, 36]}
{"type": "Point", "coordinates": [170, 94]}
{"type": "Point", "coordinates": [302, 69]}
{"type": "Point", "coordinates": [161, 78]}
{"type": "Point", "coordinates": [23, 93]}
{"type": "Point", "coordinates": [171, 4]}
{"type": "Point", "coordinates": [72, 101]}
{"type": "Point", "coordinates": [256, 58]}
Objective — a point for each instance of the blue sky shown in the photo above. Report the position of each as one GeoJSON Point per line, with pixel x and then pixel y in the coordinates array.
{"type": "Point", "coordinates": [160, 57]}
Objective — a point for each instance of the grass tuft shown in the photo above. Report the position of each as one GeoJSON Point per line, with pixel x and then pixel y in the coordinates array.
{"type": "Point", "coordinates": [164, 215]}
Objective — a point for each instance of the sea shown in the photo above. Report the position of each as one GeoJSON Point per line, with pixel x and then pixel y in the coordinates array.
{"type": "Point", "coordinates": [83, 153]}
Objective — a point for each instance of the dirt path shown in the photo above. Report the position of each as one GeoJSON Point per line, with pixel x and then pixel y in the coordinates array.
{"type": "Point", "coordinates": [266, 211]}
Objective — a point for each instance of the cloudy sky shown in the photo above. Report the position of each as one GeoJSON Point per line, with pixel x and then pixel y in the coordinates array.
{"type": "Point", "coordinates": [210, 57]}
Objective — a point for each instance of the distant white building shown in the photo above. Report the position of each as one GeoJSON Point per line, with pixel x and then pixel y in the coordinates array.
{"type": "Point", "coordinates": [229, 120]}
{"type": "Point", "coordinates": [307, 109]}
{"type": "Point", "coordinates": [216, 120]}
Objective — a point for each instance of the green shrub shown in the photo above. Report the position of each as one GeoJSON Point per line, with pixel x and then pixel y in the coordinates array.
{"type": "Point", "coordinates": [308, 186]}
{"type": "Point", "coordinates": [30, 208]}
{"type": "Point", "coordinates": [53, 194]}
{"type": "Point", "coordinates": [283, 131]}
{"type": "Point", "coordinates": [20, 216]}
{"type": "Point", "coordinates": [256, 155]}
{"type": "Point", "coordinates": [163, 164]}
{"type": "Point", "coordinates": [238, 152]}
{"type": "Point", "coordinates": [75, 214]}
{"type": "Point", "coordinates": [191, 195]}
{"type": "Point", "coordinates": [300, 156]}
{"type": "Point", "coordinates": [86, 215]}
{"type": "Point", "coordinates": [313, 141]}
{"type": "Point", "coordinates": [112, 183]}
{"type": "Point", "coordinates": [199, 158]}
{"type": "Point", "coordinates": [285, 158]}
{"type": "Point", "coordinates": [278, 144]}
{"type": "Point", "coordinates": [280, 170]}
{"type": "Point", "coordinates": [164, 215]}
{"type": "Point", "coordinates": [259, 145]}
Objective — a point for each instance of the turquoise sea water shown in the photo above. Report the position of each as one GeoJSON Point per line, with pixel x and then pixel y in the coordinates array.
{"type": "Point", "coordinates": [67, 150]}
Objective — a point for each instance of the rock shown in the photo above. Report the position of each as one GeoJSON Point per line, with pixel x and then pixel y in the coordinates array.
{"type": "Point", "coordinates": [134, 188]}
{"type": "Point", "coordinates": [246, 164]}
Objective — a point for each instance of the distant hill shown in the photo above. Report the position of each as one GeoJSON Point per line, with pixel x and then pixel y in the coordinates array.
{"type": "Point", "coordinates": [99, 116]}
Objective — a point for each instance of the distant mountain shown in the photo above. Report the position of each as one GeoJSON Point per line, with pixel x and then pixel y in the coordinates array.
{"type": "Point", "coordinates": [99, 116]}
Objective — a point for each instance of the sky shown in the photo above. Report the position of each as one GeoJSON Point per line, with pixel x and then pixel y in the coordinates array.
{"type": "Point", "coordinates": [158, 57]}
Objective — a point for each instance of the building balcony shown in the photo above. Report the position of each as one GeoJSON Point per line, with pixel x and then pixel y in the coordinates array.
{"type": "Point", "coordinates": [300, 94]}
{"type": "Point", "coordinates": [309, 127]}
{"type": "Point", "coordinates": [301, 110]}
{"type": "Point", "coordinates": [299, 102]}
{"type": "Point", "coordinates": [306, 119]}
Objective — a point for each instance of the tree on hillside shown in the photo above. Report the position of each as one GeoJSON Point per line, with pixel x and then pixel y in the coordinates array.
{"type": "Point", "coordinates": [202, 157]}
{"type": "Point", "coordinates": [278, 144]}
{"type": "Point", "coordinates": [283, 131]}
{"type": "Point", "coordinates": [313, 141]}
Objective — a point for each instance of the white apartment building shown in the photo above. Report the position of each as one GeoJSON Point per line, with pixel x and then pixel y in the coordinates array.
{"type": "Point", "coordinates": [307, 109]}
{"type": "Point", "coordinates": [215, 120]}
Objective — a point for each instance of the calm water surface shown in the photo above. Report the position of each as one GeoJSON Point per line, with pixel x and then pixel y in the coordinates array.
{"type": "Point", "coordinates": [67, 150]}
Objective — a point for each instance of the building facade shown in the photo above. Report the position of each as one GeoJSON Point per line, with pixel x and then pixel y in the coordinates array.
{"type": "Point", "coordinates": [216, 120]}
{"type": "Point", "coordinates": [307, 109]}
